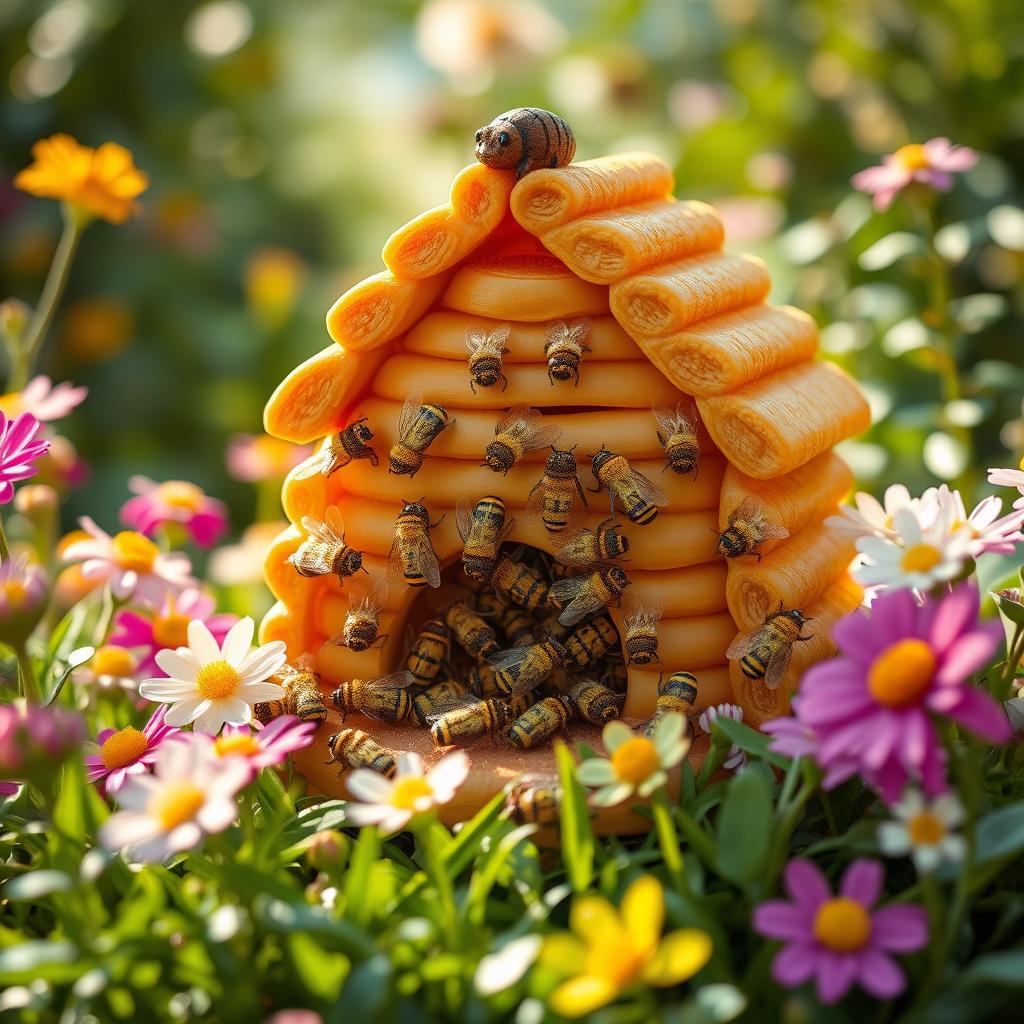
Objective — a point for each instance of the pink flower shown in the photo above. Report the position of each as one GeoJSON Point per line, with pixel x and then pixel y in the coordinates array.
{"type": "Point", "coordinates": [1009, 478]}
{"type": "Point", "coordinates": [735, 759]}
{"type": "Point", "coordinates": [167, 626]}
{"type": "Point", "coordinates": [128, 751]}
{"type": "Point", "coordinates": [175, 501]}
{"type": "Point", "coordinates": [18, 451]}
{"type": "Point", "coordinates": [44, 400]}
{"type": "Point", "coordinates": [839, 940]}
{"type": "Point", "coordinates": [989, 532]}
{"type": "Point", "coordinates": [23, 589]}
{"type": "Point", "coordinates": [934, 163]}
{"type": "Point", "coordinates": [871, 709]}
{"type": "Point", "coordinates": [267, 747]}
{"type": "Point", "coordinates": [35, 741]}
{"type": "Point", "coordinates": [253, 458]}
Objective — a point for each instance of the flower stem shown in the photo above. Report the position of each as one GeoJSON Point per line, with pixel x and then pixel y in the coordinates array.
{"type": "Point", "coordinates": [5, 551]}
{"type": "Point", "coordinates": [27, 675]}
{"type": "Point", "coordinates": [428, 840]}
{"type": "Point", "coordinates": [668, 840]}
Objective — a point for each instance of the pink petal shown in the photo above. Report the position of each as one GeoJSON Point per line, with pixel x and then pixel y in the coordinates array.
{"type": "Point", "coordinates": [880, 975]}
{"type": "Point", "coordinates": [969, 653]}
{"type": "Point", "coordinates": [806, 884]}
{"type": "Point", "coordinates": [793, 965]}
{"type": "Point", "coordinates": [899, 929]}
{"type": "Point", "coordinates": [862, 881]}
{"type": "Point", "coordinates": [974, 709]}
{"type": "Point", "coordinates": [836, 973]}
{"type": "Point", "coordinates": [781, 920]}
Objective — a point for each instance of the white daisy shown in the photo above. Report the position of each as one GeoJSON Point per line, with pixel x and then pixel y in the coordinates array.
{"type": "Point", "coordinates": [736, 758]}
{"type": "Point", "coordinates": [111, 668]}
{"type": "Point", "coordinates": [1009, 478]}
{"type": "Point", "coordinates": [988, 532]}
{"type": "Point", "coordinates": [391, 803]}
{"type": "Point", "coordinates": [638, 764]}
{"type": "Point", "coordinates": [211, 685]}
{"type": "Point", "coordinates": [190, 793]}
{"type": "Point", "coordinates": [924, 830]}
{"type": "Point", "coordinates": [131, 563]}
{"type": "Point", "coordinates": [874, 518]}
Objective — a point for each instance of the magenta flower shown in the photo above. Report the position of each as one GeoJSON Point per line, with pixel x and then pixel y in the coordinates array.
{"type": "Point", "coordinates": [933, 163]}
{"type": "Point", "coordinates": [18, 451]}
{"type": "Point", "coordinates": [129, 751]}
{"type": "Point", "coordinates": [174, 502]}
{"type": "Point", "coordinates": [35, 741]}
{"type": "Point", "coordinates": [46, 401]}
{"type": "Point", "coordinates": [23, 590]}
{"type": "Point", "coordinates": [167, 627]}
{"type": "Point", "coordinates": [267, 747]}
{"type": "Point", "coordinates": [871, 710]}
{"type": "Point", "coordinates": [253, 458]}
{"type": "Point", "coordinates": [838, 940]}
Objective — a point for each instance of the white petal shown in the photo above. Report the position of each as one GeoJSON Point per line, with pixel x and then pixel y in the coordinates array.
{"type": "Point", "coordinates": [179, 664]}
{"type": "Point", "coordinates": [217, 815]}
{"type": "Point", "coordinates": [151, 851]}
{"type": "Point", "coordinates": [126, 827]}
{"type": "Point", "coordinates": [668, 730]}
{"type": "Point", "coordinates": [238, 641]}
{"type": "Point", "coordinates": [608, 796]}
{"type": "Point", "coordinates": [256, 692]}
{"type": "Point", "coordinates": [448, 774]}
{"type": "Point", "coordinates": [893, 839]}
{"type": "Point", "coordinates": [166, 690]}
{"type": "Point", "coordinates": [948, 809]}
{"type": "Point", "coordinates": [212, 718]}
{"type": "Point", "coordinates": [394, 821]}
{"type": "Point", "coordinates": [954, 848]}
{"type": "Point", "coordinates": [653, 781]}
{"type": "Point", "coordinates": [187, 710]}
{"type": "Point", "coordinates": [367, 814]}
{"type": "Point", "coordinates": [183, 837]}
{"type": "Point", "coordinates": [596, 771]}
{"type": "Point", "coordinates": [201, 641]}
{"type": "Point", "coordinates": [137, 791]}
{"type": "Point", "coordinates": [369, 786]}
{"type": "Point", "coordinates": [926, 858]}
{"type": "Point", "coordinates": [264, 661]}
{"type": "Point", "coordinates": [409, 764]}
{"type": "Point", "coordinates": [615, 734]}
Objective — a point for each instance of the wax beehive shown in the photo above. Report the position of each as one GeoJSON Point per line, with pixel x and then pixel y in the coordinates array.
{"type": "Point", "coordinates": [673, 319]}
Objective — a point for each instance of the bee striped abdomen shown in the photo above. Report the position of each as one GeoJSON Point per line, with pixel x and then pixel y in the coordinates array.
{"type": "Point", "coordinates": [594, 703]}
{"type": "Point", "coordinates": [755, 664]}
{"type": "Point", "coordinates": [465, 724]}
{"type": "Point", "coordinates": [538, 724]}
{"type": "Point", "coordinates": [731, 543]}
{"type": "Point", "coordinates": [519, 583]}
{"type": "Point", "coordinates": [589, 642]}
{"type": "Point", "coordinates": [355, 749]}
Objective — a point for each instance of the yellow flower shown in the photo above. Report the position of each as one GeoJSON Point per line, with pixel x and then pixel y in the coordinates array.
{"type": "Point", "coordinates": [100, 182]}
{"type": "Point", "coordinates": [611, 949]}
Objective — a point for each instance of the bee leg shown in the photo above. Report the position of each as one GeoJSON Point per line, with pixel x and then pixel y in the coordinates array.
{"type": "Point", "coordinates": [579, 488]}
{"type": "Point", "coordinates": [381, 640]}
{"type": "Point", "coordinates": [523, 166]}
{"type": "Point", "coordinates": [472, 385]}
{"type": "Point", "coordinates": [372, 456]}
{"type": "Point", "coordinates": [504, 382]}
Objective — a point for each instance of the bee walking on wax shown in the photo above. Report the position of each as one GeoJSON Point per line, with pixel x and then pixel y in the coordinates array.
{"type": "Point", "coordinates": [604, 544]}
{"type": "Point", "coordinates": [385, 698]}
{"type": "Point", "coordinates": [538, 724]}
{"type": "Point", "coordinates": [341, 449]}
{"type": "Point", "coordinates": [641, 634]}
{"type": "Point", "coordinates": [359, 631]}
{"type": "Point", "coordinates": [412, 554]}
{"type": "Point", "coordinates": [559, 487]}
{"type": "Point", "coordinates": [418, 427]}
{"type": "Point", "coordinates": [748, 529]}
{"type": "Point", "coordinates": [483, 528]}
{"type": "Point", "coordinates": [486, 348]}
{"type": "Point", "coordinates": [682, 451]}
{"type": "Point", "coordinates": [676, 695]}
{"type": "Point", "coordinates": [518, 431]}
{"type": "Point", "coordinates": [324, 551]}
{"type": "Point", "coordinates": [580, 596]}
{"type": "Point", "coordinates": [564, 349]}
{"type": "Point", "coordinates": [534, 799]}
{"type": "Point", "coordinates": [524, 140]}
{"type": "Point", "coordinates": [638, 496]}
{"type": "Point", "coordinates": [765, 653]}
{"type": "Point", "coordinates": [353, 748]}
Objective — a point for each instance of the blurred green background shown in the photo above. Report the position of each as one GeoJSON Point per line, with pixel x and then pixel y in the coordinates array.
{"type": "Point", "coordinates": [285, 141]}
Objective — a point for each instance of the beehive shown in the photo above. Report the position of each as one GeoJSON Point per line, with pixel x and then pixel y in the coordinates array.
{"type": "Point", "coordinates": [674, 319]}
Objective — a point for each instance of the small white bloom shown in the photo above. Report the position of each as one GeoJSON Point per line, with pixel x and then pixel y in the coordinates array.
{"type": "Point", "coordinates": [211, 685]}
{"type": "Point", "coordinates": [391, 803]}
{"type": "Point", "coordinates": [924, 830]}
{"type": "Point", "coordinates": [501, 970]}
{"type": "Point", "coordinates": [736, 758]}
{"type": "Point", "coordinates": [1008, 478]}
{"type": "Point", "coordinates": [872, 518]}
{"type": "Point", "coordinates": [987, 531]}
{"type": "Point", "coordinates": [111, 668]}
{"type": "Point", "coordinates": [189, 795]}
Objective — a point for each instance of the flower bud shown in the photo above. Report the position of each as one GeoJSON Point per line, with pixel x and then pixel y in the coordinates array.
{"type": "Point", "coordinates": [36, 501]}
{"type": "Point", "coordinates": [14, 317]}
{"type": "Point", "coordinates": [23, 592]}
{"type": "Point", "coordinates": [328, 850]}
{"type": "Point", "coordinates": [34, 741]}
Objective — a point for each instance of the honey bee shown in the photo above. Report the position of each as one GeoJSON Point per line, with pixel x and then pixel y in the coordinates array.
{"type": "Point", "coordinates": [433, 700]}
{"type": "Point", "coordinates": [588, 643]}
{"type": "Point", "coordinates": [522, 669]}
{"type": "Point", "coordinates": [765, 653]}
{"type": "Point", "coordinates": [525, 139]}
{"type": "Point", "coordinates": [586, 547]}
{"type": "Point", "coordinates": [302, 695]}
{"type": "Point", "coordinates": [640, 642]}
{"type": "Point", "coordinates": [386, 698]}
{"type": "Point", "coordinates": [580, 596]}
{"type": "Point", "coordinates": [474, 635]}
{"type": "Point", "coordinates": [418, 426]}
{"type": "Point", "coordinates": [483, 529]}
{"type": "Point", "coordinates": [480, 680]}
{"type": "Point", "coordinates": [676, 695]}
{"type": "Point", "coordinates": [593, 702]}
{"type": "Point", "coordinates": [519, 583]}
{"type": "Point", "coordinates": [747, 530]}
{"type": "Point", "coordinates": [430, 651]}
{"type": "Point", "coordinates": [558, 489]}
{"type": "Point", "coordinates": [564, 349]}
{"type": "Point", "coordinates": [359, 630]}
{"type": "Point", "coordinates": [354, 748]}
{"type": "Point", "coordinates": [517, 626]}
{"type": "Point", "coordinates": [539, 723]}
{"type": "Point", "coordinates": [324, 550]}
{"type": "Point", "coordinates": [517, 432]}
{"type": "Point", "coordinates": [638, 496]}
{"type": "Point", "coordinates": [682, 452]}
{"type": "Point", "coordinates": [412, 554]}
{"type": "Point", "coordinates": [485, 351]}
{"type": "Point", "coordinates": [471, 720]}
{"type": "Point", "coordinates": [341, 449]}
{"type": "Point", "coordinates": [534, 799]}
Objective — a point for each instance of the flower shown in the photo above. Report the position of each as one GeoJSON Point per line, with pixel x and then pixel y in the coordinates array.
{"type": "Point", "coordinates": [268, 746]}
{"type": "Point", "coordinates": [111, 667]}
{"type": "Point", "coordinates": [132, 564]}
{"type": "Point", "coordinates": [924, 830]}
{"type": "Point", "coordinates": [18, 451]}
{"type": "Point", "coordinates": [44, 400]}
{"type": "Point", "coordinates": [790, 736]}
{"type": "Point", "coordinates": [736, 758]}
{"type": "Point", "coordinates": [190, 793]}
{"type": "Point", "coordinates": [175, 501]}
{"type": "Point", "coordinates": [121, 753]}
{"type": "Point", "coordinates": [35, 741]}
{"type": "Point", "coordinates": [23, 591]}
{"type": "Point", "coordinates": [391, 803]}
{"type": "Point", "coordinates": [838, 939]}
{"type": "Point", "coordinates": [638, 764]}
{"type": "Point", "coordinates": [987, 531]}
{"type": "Point", "coordinates": [210, 684]}
{"type": "Point", "coordinates": [254, 458]}
{"type": "Point", "coordinates": [236, 565]}
{"type": "Point", "coordinates": [273, 278]}
{"type": "Point", "coordinates": [611, 949]}
{"type": "Point", "coordinates": [871, 518]}
{"type": "Point", "coordinates": [932, 163]}
{"type": "Point", "coordinates": [166, 626]}
{"type": "Point", "coordinates": [100, 182]}
{"type": "Point", "coordinates": [871, 709]}
{"type": "Point", "coordinates": [502, 969]}
{"type": "Point", "coordinates": [327, 850]}
{"type": "Point", "coordinates": [1009, 478]}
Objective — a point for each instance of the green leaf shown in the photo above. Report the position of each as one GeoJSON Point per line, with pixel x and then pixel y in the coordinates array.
{"type": "Point", "coordinates": [37, 884]}
{"type": "Point", "coordinates": [318, 818]}
{"type": "Point", "coordinates": [1004, 968]}
{"type": "Point", "coordinates": [577, 835]}
{"type": "Point", "coordinates": [358, 906]}
{"type": "Point", "coordinates": [750, 740]}
{"type": "Point", "coordinates": [744, 828]}
{"type": "Point", "coordinates": [322, 972]}
{"type": "Point", "coordinates": [49, 961]}
{"type": "Point", "coordinates": [1000, 833]}
{"type": "Point", "coordinates": [289, 917]}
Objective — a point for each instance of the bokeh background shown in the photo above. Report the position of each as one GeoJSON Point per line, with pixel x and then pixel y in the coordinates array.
{"type": "Point", "coordinates": [285, 141]}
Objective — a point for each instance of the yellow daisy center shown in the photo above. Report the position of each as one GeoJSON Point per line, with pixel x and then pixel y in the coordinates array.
{"type": "Point", "coordinates": [123, 748]}
{"type": "Point", "coordinates": [636, 760]}
{"type": "Point", "coordinates": [181, 494]}
{"type": "Point", "coordinates": [171, 630]}
{"type": "Point", "coordinates": [236, 743]}
{"type": "Point", "coordinates": [217, 680]}
{"type": "Point", "coordinates": [842, 925]}
{"type": "Point", "coordinates": [113, 661]}
{"type": "Point", "coordinates": [408, 791]}
{"type": "Point", "coordinates": [176, 803]}
{"type": "Point", "coordinates": [902, 673]}
{"type": "Point", "coordinates": [912, 157]}
{"type": "Point", "coordinates": [134, 552]}
{"type": "Point", "coordinates": [920, 558]}
{"type": "Point", "coordinates": [925, 829]}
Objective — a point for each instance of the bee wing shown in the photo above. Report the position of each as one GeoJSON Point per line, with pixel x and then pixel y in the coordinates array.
{"type": "Point", "coordinates": [556, 331]}
{"type": "Point", "coordinates": [464, 516]}
{"type": "Point", "coordinates": [511, 658]}
{"type": "Point", "coordinates": [577, 551]}
{"type": "Point", "coordinates": [394, 681]}
{"type": "Point", "coordinates": [334, 521]}
{"type": "Point", "coordinates": [319, 531]}
{"type": "Point", "coordinates": [772, 531]}
{"type": "Point", "coordinates": [580, 607]}
{"type": "Point", "coordinates": [579, 330]}
{"type": "Point", "coordinates": [426, 558]}
{"type": "Point", "coordinates": [408, 414]}
{"type": "Point", "coordinates": [518, 418]}
{"type": "Point", "coordinates": [743, 645]}
{"type": "Point", "coordinates": [777, 665]}
{"type": "Point", "coordinates": [475, 337]}
{"type": "Point", "coordinates": [666, 417]}
{"type": "Point", "coordinates": [648, 489]}
{"type": "Point", "coordinates": [749, 509]}
{"type": "Point", "coordinates": [499, 336]}
{"type": "Point", "coordinates": [538, 436]}
{"type": "Point", "coordinates": [312, 466]}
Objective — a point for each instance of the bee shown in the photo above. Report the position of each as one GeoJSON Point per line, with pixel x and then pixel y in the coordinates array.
{"type": "Point", "coordinates": [485, 351]}
{"type": "Point", "coordinates": [412, 554]}
{"type": "Point", "coordinates": [604, 544]}
{"type": "Point", "coordinates": [593, 702]}
{"type": "Point", "coordinates": [517, 626]}
{"type": "Point", "coordinates": [676, 695]}
{"type": "Point", "coordinates": [539, 723]}
{"type": "Point", "coordinates": [640, 642]}
{"type": "Point", "coordinates": [470, 721]}
{"type": "Point", "coordinates": [519, 583]}
{"type": "Point", "coordinates": [480, 680]}
{"type": "Point", "coordinates": [588, 643]}
{"type": "Point", "coordinates": [430, 651]}
{"type": "Point", "coordinates": [638, 496]}
{"type": "Point", "coordinates": [534, 799]}
{"type": "Point", "coordinates": [517, 432]}
{"type": "Point", "coordinates": [386, 698]}
{"type": "Point", "coordinates": [564, 349]}
{"type": "Point", "coordinates": [359, 630]}
{"type": "Point", "coordinates": [483, 529]}
{"type": "Point", "coordinates": [558, 489]}
{"type": "Point", "coordinates": [765, 653]}
{"type": "Point", "coordinates": [474, 635]}
{"type": "Point", "coordinates": [431, 701]}
{"type": "Point", "coordinates": [682, 452]}
{"type": "Point", "coordinates": [418, 426]}
{"type": "Point", "coordinates": [324, 550]}
{"type": "Point", "coordinates": [580, 596]}
{"type": "Point", "coordinates": [302, 695]}
{"type": "Point", "coordinates": [615, 676]}
{"type": "Point", "coordinates": [354, 748]}
{"type": "Point", "coordinates": [342, 448]}
{"type": "Point", "coordinates": [747, 530]}
{"type": "Point", "coordinates": [525, 139]}
{"type": "Point", "coordinates": [522, 669]}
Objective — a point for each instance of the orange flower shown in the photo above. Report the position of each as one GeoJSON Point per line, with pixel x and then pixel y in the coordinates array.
{"type": "Point", "coordinates": [100, 182]}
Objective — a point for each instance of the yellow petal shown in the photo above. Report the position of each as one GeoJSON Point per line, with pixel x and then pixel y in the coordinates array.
{"type": "Point", "coordinates": [643, 913]}
{"type": "Point", "coordinates": [564, 953]}
{"type": "Point", "coordinates": [581, 995]}
{"type": "Point", "coordinates": [594, 920]}
{"type": "Point", "coordinates": [680, 956]}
